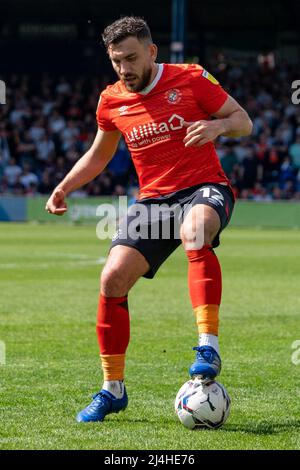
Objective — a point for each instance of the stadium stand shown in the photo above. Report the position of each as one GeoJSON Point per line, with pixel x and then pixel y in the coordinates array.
{"type": "Point", "coordinates": [49, 122]}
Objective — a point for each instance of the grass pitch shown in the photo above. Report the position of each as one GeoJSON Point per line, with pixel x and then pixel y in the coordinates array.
{"type": "Point", "coordinates": [49, 291]}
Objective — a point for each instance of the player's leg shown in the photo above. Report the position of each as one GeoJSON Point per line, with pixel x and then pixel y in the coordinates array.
{"type": "Point", "coordinates": [204, 278]}
{"type": "Point", "coordinates": [124, 266]}
{"type": "Point", "coordinates": [199, 232]}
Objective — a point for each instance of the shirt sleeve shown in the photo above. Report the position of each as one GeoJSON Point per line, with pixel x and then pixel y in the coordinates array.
{"type": "Point", "coordinates": [207, 90]}
{"type": "Point", "coordinates": [103, 115]}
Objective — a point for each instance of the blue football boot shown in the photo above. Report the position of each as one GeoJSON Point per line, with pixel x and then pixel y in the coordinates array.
{"type": "Point", "coordinates": [103, 404]}
{"type": "Point", "coordinates": [207, 364]}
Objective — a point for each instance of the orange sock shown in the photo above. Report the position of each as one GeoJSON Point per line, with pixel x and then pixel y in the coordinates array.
{"type": "Point", "coordinates": [113, 333]}
{"type": "Point", "coordinates": [113, 366]}
{"type": "Point", "coordinates": [205, 286]}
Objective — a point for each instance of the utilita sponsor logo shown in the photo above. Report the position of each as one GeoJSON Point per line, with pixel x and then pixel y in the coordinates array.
{"type": "Point", "coordinates": [154, 132]}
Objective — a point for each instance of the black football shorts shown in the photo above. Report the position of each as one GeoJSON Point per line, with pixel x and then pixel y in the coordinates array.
{"type": "Point", "coordinates": [152, 225]}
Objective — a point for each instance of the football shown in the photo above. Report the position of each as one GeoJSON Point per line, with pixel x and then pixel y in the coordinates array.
{"type": "Point", "coordinates": [201, 404]}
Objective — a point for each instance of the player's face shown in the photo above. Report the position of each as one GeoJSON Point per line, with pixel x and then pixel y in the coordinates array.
{"type": "Point", "coordinates": [134, 62]}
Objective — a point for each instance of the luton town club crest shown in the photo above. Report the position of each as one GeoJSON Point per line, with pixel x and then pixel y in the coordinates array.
{"type": "Point", "coordinates": [173, 96]}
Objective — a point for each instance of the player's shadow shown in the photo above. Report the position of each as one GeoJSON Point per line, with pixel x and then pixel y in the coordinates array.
{"type": "Point", "coordinates": [264, 427]}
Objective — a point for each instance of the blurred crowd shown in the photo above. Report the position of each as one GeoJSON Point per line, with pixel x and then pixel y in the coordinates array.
{"type": "Point", "coordinates": [45, 127]}
{"type": "Point", "coordinates": [48, 123]}
{"type": "Point", "coordinates": [266, 165]}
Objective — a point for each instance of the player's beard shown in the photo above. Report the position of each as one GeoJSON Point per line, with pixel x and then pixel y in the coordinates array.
{"type": "Point", "coordinates": [140, 82]}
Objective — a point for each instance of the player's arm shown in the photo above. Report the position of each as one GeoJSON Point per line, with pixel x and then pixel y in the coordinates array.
{"type": "Point", "coordinates": [86, 169]}
{"type": "Point", "coordinates": [231, 121]}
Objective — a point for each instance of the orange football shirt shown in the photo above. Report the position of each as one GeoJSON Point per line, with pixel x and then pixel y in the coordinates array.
{"type": "Point", "coordinates": [151, 122]}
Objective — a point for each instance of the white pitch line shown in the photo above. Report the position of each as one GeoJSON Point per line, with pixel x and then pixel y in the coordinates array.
{"type": "Point", "coordinates": [90, 262]}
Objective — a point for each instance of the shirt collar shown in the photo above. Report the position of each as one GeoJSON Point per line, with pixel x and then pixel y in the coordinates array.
{"type": "Point", "coordinates": [150, 87]}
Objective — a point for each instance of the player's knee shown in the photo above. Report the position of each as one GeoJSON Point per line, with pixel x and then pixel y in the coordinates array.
{"type": "Point", "coordinates": [192, 238]}
{"type": "Point", "coordinates": [113, 282]}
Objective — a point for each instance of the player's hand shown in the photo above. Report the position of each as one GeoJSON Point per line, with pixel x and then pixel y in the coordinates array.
{"type": "Point", "coordinates": [56, 203]}
{"type": "Point", "coordinates": [201, 132]}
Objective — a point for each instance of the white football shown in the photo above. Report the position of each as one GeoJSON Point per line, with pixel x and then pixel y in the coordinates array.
{"type": "Point", "coordinates": [200, 404]}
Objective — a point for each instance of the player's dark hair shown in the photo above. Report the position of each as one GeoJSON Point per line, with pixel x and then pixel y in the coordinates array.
{"type": "Point", "coordinates": [124, 28]}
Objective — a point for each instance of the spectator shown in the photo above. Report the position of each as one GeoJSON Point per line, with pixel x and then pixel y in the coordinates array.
{"type": "Point", "coordinates": [28, 178]}
{"type": "Point", "coordinates": [5, 153]}
{"type": "Point", "coordinates": [45, 150]}
{"type": "Point", "coordinates": [45, 186]}
{"type": "Point", "coordinates": [287, 172]}
{"type": "Point", "coordinates": [37, 130]}
{"type": "Point", "coordinates": [12, 172]}
{"type": "Point", "coordinates": [294, 152]}
{"type": "Point", "coordinates": [229, 159]}
{"type": "Point", "coordinates": [251, 169]}
{"type": "Point", "coordinates": [26, 149]}
{"type": "Point", "coordinates": [56, 122]}
{"type": "Point", "coordinates": [288, 189]}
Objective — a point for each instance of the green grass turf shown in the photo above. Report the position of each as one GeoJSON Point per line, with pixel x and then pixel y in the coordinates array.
{"type": "Point", "coordinates": [49, 290]}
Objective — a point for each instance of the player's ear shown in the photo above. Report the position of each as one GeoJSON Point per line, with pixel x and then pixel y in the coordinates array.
{"type": "Point", "coordinates": [153, 51]}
